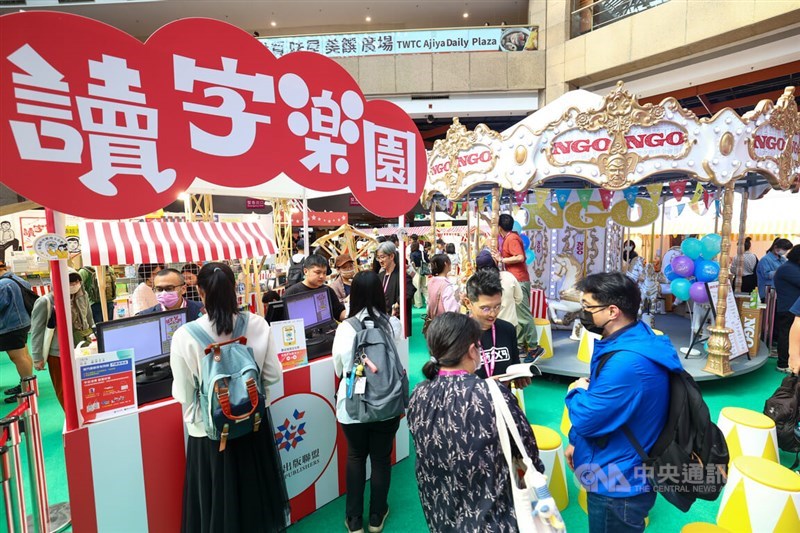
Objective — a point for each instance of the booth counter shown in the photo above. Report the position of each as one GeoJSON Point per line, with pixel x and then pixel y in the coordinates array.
{"type": "Point", "coordinates": [138, 481]}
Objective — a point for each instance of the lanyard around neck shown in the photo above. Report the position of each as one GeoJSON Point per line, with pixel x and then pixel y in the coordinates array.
{"type": "Point", "coordinates": [490, 362]}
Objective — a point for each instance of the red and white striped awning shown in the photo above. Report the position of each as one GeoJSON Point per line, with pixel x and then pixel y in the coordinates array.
{"type": "Point", "coordinates": [128, 243]}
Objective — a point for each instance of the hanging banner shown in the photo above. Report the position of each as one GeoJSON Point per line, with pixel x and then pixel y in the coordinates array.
{"type": "Point", "coordinates": [120, 128]}
{"type": "Point", "coordinates": [630, 195]}
{"type": "Point", "coordinates": [698, 193]}
{"type": "Point", "coordinates": [654, 190]}
{"type": "Point", "coordinates": [706, 198]}
{"type": "Point", "coordinates": [681, 207]}
{"type": "Point", "coordinates": [519, 197]}
{"type": "Point", "coordinates": [678, 188]}
{"type": "Point", "coordinates": [584, 195]}
{"type": "Point", "coordinates": [481, 201]}
{"type": "Point", "coordinates": [562, 196]}
{"type": "Point", "coordinates": [716, 207]}
{"type": "Point", "coordinates": [541, 196]}
{"type": "Point", "coordinates": [596, 215]}
{"type": "Point", "coordinates": [606, 197]}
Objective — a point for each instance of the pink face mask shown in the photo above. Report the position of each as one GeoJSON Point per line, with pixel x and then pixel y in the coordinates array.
{"type": "Point", "coordinates": [168, 299]}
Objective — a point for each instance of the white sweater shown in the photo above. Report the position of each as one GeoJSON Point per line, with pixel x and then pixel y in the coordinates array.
{"type": "Point", "coordinates": [342, 353]}
{"type": "Point", "coordinates": [186, 355]}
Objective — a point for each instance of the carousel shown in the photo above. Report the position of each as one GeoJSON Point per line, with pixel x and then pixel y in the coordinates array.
{"type": "Point", "coordinates": [585, 172]}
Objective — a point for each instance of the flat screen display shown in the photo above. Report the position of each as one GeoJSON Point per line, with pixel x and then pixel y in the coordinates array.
{"type": "Point", "coordinates": [150, 336]}
{"type": "Point", "coordinates": [314, 307]}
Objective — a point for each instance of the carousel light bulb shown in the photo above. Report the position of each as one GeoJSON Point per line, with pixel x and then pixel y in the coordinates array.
{"type": "Point", "coordinates": [546, 171]}
{"type": "Point", "coordinates": [736, 162]}
{"type": "Point", "coordinates": [749, 164]}
{"type": "Point", "coordinates": [657, 165]}
{"type": "Point", "coordinates": [639, 169]}
{"type": "Point", "coordinates": [749, 130]}
{"type": "Point", "coordinates": [724, 173]}
{"type": "Point", "coordinates": [691, 163]}
{"type": "Point", "coordinates": [674, 164]}
{"type": "Point", "coordinates": [728, 120]}
{"type": "Point", "coordinates": [738, 131]}
{"type": "Point", "coordinates": [562, 170]}
{"type": "Point", "coordinates": [715, 161]}
{"type": "Point", "coordinates": [670, 114]}
{"type": "Point", "coordinates": [576, 169]}
{"type": "Point", "coordinates": [594, 173]}
{"type": "Point", "coordinates": [716, 129]}
{"type": "Point", "coordinates": [696, 132]}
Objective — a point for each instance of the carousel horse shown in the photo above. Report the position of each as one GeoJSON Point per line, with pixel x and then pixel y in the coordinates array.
{"type": "Point", "coordinates": [650, 289]}
{"type": "Point", "coordinates": [567, 269]}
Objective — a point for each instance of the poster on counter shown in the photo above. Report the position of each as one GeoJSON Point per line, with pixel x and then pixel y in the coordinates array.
{"type": "Point", "coordinates": [106, 385]}
{"type": "Point", "coordinates": [288, 339]}
{"type": "Point", "coordinates": [738, 341]}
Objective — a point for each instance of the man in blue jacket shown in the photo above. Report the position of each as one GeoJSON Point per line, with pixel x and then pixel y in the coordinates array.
{"type": "Point", "coordinates": [170, 289]}
{"type": "Point", "coordinates": [632, 390]}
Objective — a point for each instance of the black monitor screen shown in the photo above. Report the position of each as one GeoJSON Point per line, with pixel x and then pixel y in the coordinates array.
{"type": "Point", "coordinates": [314, 307]}
{"type": "Point", "coordinates": [150, 336]}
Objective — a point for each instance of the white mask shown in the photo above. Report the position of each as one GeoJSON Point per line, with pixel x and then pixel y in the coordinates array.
{"type": "Point", "coordinates": [73, 289]}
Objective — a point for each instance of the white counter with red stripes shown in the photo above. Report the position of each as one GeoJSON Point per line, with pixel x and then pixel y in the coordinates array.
{"type": "Point", "coordinates": [127, 473]}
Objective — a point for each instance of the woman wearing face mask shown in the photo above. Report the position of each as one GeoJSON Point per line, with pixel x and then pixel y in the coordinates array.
{"type": "Point", "coordinates": [464, 482]}
{"type": "Point", "coordinates": [44, 339]}
{"type": "Point", "coordinates": [772, 260]}
{"type": "Point", "coordinates": [143, 296]}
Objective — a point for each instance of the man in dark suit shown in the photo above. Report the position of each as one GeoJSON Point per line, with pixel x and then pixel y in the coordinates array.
{"type": "Point", "coordinates": [170, 289]}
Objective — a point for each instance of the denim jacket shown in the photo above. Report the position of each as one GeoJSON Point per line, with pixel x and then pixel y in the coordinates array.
{"type": "Point", "coordinates": [13, 315]}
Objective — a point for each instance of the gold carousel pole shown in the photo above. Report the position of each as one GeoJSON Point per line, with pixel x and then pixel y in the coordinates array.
{"type": "Point", "coordinates": [740, 243]}
{"type": "Point", "coordinates": [496, 192]}
{"type": "Point", "coordinates": [433, 224]}
{"type": "Point", "coordinates": [719, 344]}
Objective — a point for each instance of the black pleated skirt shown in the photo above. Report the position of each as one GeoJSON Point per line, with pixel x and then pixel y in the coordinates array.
{"type": "Point", "coordinates": [239, 490]}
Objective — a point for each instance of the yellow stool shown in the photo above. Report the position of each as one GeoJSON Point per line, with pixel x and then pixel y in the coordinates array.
{"type": "Point", "coordinates": [566, 425]}
{"type": "Point", "coordinates": [552, 455]}
{"type": "Point", "coordinates": [586, 345]}
{"type": "Point", "coordinates": [760, 495]}
{"type": "Point", "coordinates": [703, 527]}
{"type": "Point", "coordinates": [748, 433]}
{"type": "Point", "coordinates": [545, 335]}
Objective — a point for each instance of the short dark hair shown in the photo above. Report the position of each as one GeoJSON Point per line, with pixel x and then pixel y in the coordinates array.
{"type": "Point", "coordinates": [483, 283]}
{"type": "Point", "coordinates": [415, 246]}
{"type": "Point", "coordinates": [315, 260]}
{"type": "Point", "coordinates": [146, 270]}
{"type": "Point", "coordinates": [794, 254]}
{"type": "Point", "coordinates": [168, 271]}
{"type": "Point", "coordinates": [449, 337]}
{"type": "Point", "coordinates": [626, 243]}
{"type": "Point", "coordinates": [613, 288]}
{"type": "Point", "coordinates": [190, 267]}
{"type": "Point", "coordinates": [270, 296]}
{"type": "Point", "coordinates": [506, 222]}
{"type": "Point", "coordinates": [439, 241]}
{"type": "Point", "coordinates": [450, 248]}
{"type": "Point", "coordinates": [394, 239]}
{"type": "Point", "coordinates": [438, 262]}
{"type": "Point", "coordinates": [414, 237]}
{"type": "Point", "coordinates": [780, 244]}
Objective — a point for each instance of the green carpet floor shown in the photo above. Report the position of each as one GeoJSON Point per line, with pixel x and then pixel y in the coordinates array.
{"type": "Point", "coordinates": [544, 401]}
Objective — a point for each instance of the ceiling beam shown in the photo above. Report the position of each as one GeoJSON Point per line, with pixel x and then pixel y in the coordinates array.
{"type": "Point", "coordinates": [746, 101]}
{"type": "Point", "coordinates": [9, 209]}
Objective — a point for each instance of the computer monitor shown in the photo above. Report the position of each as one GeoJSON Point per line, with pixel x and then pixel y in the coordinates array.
{"type": "Point", "coordinates": [275, 312]}
{"type": "Point", "coordinates": [150, 336]}
{"type": "Point", "coordinates": [314, 307]}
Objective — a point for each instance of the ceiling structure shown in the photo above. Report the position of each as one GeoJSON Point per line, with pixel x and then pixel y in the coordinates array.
{"type": "Point", "coordinates": [141, 18]}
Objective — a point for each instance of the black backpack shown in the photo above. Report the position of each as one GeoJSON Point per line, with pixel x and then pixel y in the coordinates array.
{"type": "Point", "coordinates": [784, 408]}
{"type": "Point", "coordinates": [689, 460]}
{"type": "Point", "coordinates": [28, 296]}
{"type": "Point", "coordinates": [295, 274]}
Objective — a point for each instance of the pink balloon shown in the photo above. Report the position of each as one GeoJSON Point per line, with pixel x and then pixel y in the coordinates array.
{"type": "Point", "coordinates": [698, 292]}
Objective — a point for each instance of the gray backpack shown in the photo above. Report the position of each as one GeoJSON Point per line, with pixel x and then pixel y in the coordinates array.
{"type": "Point", "coordinates": [386, 392]}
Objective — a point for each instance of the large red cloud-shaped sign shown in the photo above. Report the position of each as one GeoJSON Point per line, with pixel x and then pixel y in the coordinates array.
{"type": "Point", "coordinates": [96, 124]}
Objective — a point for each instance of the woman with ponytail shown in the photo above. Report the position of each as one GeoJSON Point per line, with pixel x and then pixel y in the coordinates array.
{"type": "Point", "coordinates": [464, 482]}
{"type": "Point", "coordinates": [240, 489]}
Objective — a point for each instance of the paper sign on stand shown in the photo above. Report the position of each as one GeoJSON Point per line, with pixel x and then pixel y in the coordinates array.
{"type": "Point", "coordinates": [107, 386]}
{"type": "Point", "coordinates": [288, 340]}
{"type": "Point", "coordinates": [738, 341]}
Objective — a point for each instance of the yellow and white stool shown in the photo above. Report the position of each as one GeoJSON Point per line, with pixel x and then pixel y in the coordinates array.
{"type": "Point", "coordinates": [703, 527]}
{"type": "Point", "coordinates": [551, 452]}
{"type": "Point", "coordinates": [566, 425]}
{"type": "Point", "coordinates": [545, 335]}
{"type": "Point", "coordinates": [760, 495]}
{"type": "Point", "coordinates": [586, 345]}
{"type": "Point", "coordinates": [749, 433]}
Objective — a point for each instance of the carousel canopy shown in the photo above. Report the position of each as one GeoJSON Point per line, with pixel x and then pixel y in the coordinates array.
{"type": "Point", "coordinates": [615, 142]}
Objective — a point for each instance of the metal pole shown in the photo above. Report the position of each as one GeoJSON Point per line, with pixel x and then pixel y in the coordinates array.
{"type": "Point", "coordinates": [13, 494]}
{"type": "Point", "coordinates": [740, 244]}
{"type": "Point", "coordinates": [496, 192]}
{"type": "Point", "coordinates": [661, 245]}
{"type": "Point", "coordinates": [306, 235]}
{"type": "Point", "coordinates": [33, 445]}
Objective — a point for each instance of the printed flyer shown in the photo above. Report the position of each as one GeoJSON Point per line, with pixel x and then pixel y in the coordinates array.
{"type": "Point", "coordinates": [107, 386]}
{"type": "Point", "coordinates": [288, 340]}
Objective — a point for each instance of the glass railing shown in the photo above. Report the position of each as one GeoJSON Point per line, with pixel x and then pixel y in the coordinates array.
{"type": "Point", "coordinates": [588, 15]}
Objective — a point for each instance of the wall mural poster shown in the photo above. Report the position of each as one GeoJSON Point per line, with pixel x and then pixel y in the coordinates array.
{"type": "Point", "coordinates": [9, 241]}
{"type": "Point", "coordinates": [30, 228]}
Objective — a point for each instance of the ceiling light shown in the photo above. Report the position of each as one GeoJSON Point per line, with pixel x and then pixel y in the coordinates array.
{"type": "Point", "coordinates": [273, 23]}
{"type": "Point", "coordinates": [465, 15]}
{"type": "Point", "coordinates": [369, 19]}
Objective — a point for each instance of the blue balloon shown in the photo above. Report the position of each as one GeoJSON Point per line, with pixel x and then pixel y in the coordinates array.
{"type": "Point", "coordinates": [530, 257]}
{"type": "Point", "coordinates": [517, 226]}
{"type": "Point", "coordinates": [680, 288]}
{"type": "Point", "coordinates": [692, 248]}
{"type": "Point", "coordinates": [526, 241]}
{"type": "Point", "coordinates": [669, 273]}
{"type": "Point", "coordinates": [711, 245]}
{"type": "Point", "coordinates": [706, 271]}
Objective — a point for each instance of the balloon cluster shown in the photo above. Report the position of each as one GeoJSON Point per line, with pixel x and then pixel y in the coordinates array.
{"type": "Point", "coordinates": [530, 255]}
{"type": "Point", "coordinates": [688, 273]}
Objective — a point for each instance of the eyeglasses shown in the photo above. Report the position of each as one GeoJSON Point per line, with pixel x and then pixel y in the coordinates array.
{"type": "Point", "coordinates": [485, 309]}
{"type": "Point", "coordinates": [599, 307]}
{"type": "Point", "coordinates": [167, 288]}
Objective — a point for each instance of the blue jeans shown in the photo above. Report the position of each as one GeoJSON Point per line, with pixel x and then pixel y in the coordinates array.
{"type": "Point", "coordinates": [619, 515]}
